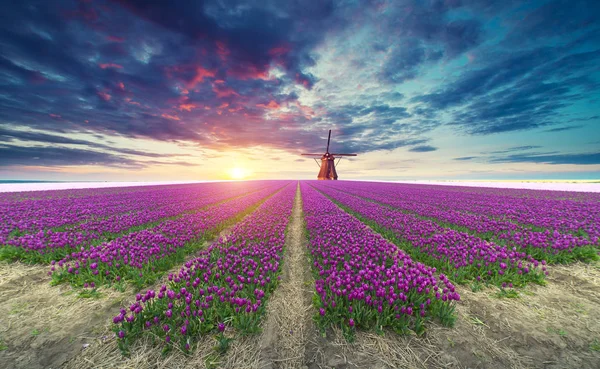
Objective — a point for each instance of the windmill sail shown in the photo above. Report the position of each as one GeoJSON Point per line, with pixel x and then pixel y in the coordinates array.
{"type": "Point", "coordinates": [327, 171]}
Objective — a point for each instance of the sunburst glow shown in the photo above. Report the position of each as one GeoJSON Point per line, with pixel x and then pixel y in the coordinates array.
{"type": "Point", "coordinates": [238, 173]}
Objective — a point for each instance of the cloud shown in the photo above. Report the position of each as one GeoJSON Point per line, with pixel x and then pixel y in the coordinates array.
{"type": "Point", "coordinates": [465, 158]}
{"type": "Point", "coordinates": [405, 59]}
{"type": "Point", "coordinates": [252, 34]}
{"type": "Point", "coordinates": [577, 159]}
{"type": "Point", "coordinates": [563, 129]}
{"type": "Point", "coordinates": [552, 19]}
{"type": "Point", "coordinates": [56, 156]}
{"type": "Point", "coordinates": [514, 148]}
{"type": "Point", "coordinates": [424, 148]}
{"type": "Point", "coordinates": [519, 92]}
{"type": "Point", "coordinates": [279, 74]}
{"type": "Point", "coordinates": [7, 135]}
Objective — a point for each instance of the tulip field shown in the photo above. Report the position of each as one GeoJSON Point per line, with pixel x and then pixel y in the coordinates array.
{"type": "Point", "coordinates": [457, 276]}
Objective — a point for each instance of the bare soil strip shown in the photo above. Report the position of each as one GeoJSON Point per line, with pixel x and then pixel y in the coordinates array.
{"type": "Point", "coordinates": [289, 310]}
{"type": "Point", "coordinates": [286, 326]}
{"type": "Point", "coordinates": [43, 326]}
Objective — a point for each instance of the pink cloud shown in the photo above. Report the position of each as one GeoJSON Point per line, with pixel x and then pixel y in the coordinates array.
{"type": "Point", "coordinates": [110, 65]}
{"type": "Point", "coordinates": [115, 38]}
{"type": "Point", "coordinates": [129, 101]}
{"type": "Point", "coordinates": [248, 72]}
{"type": "Point", "coordinates": [308, 112]}
{"type": "Point", "coordinates": [171, 117]}
{"type": "Point", "coordinates": [272, 105]}
{"type": "Point", "coordinates": [104, 96]}
{"type": "Point", "coordinates": [187, 107]}
{"type": "Point", "coordinates": [279, 51]}
{"type": "Point", "coordinates": [222, 50]}
{"type": "Point", "coordinates": [201, 73]}
{"type": "Point", "coordinates": [223, 91]}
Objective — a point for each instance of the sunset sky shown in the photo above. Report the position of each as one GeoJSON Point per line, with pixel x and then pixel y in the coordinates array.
{"type": "Point", "coordinates": [190, 90]}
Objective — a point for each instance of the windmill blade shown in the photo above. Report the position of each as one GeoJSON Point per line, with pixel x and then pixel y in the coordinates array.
{"type": "Point", "coordinates": [328, 139]}
{"type": "Point", "coordinates": [344, 154]}
{"type": "Point", "coordinates": [312, 154]}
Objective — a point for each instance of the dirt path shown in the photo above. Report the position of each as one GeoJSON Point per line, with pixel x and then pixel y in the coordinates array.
{"type": "Point", "coordinates": [553, 326]}
{"type": "Point", "coordinates": [287, 322]}
{"type": "Point", "coordinates": [289, 311]}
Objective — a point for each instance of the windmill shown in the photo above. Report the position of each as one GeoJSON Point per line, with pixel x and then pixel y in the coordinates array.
{"type": "Point", "coordinates": [328, 162]}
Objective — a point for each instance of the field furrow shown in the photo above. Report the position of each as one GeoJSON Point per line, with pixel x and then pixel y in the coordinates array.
{"type": "Point", "coordinates": [225, 287]}
{"type": "Point", "coordinates": [550, 212]}
{"type": "Point", "coordinates": [552, 246]}
{"type": "Point", "coordinates": [141, 257]}
{"type": "Point", "coordinates": [363, 281]}
{"type": "Point", "coordinates": [299, 274]}
{"type": "Point", "coordinates": [46, 246]}
{"type": "Point", "coordinates": [462, 256]}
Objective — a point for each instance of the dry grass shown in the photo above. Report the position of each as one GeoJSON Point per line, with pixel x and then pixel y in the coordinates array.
{"type": "Point", "coordinates": [43, 325]}
{"type": "Point", "coordinates": [551, 326]}
{"type": "Point", "coordinates": [289, 310]}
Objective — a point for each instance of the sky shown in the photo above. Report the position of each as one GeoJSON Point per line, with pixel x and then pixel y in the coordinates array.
{"type": "Point", "coordinates": [135, 90]}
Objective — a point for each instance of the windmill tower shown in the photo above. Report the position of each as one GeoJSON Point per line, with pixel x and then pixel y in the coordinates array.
{"type": "Point", "coordinates": [328, 162]}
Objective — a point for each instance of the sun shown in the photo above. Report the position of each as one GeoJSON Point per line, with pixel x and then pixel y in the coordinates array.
{"type": "Point", "coordinates": [237, 173]}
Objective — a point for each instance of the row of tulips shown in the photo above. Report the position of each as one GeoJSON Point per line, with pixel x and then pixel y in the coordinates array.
{"type": "Point", "coordinates": [364, 281]}
{"type": "Point", "coordinates": [56, 212]}
{"type": "Point", "coordinates": [227, 285]}
{"type": "Point", "coordinates": [50, 194]}
{"type": "Point", "coordinates": [552, 246]}
{"type": "Point", "coordinates": [141, 257]}
{"type": "Point", "coordinates": [577, 215]}
{"type": "Point", "coordinates": [44, 246]}
{"type": "Point", "coordinates": [460, 255]}
{"type": "Point", "coordinates": [554, 211]}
